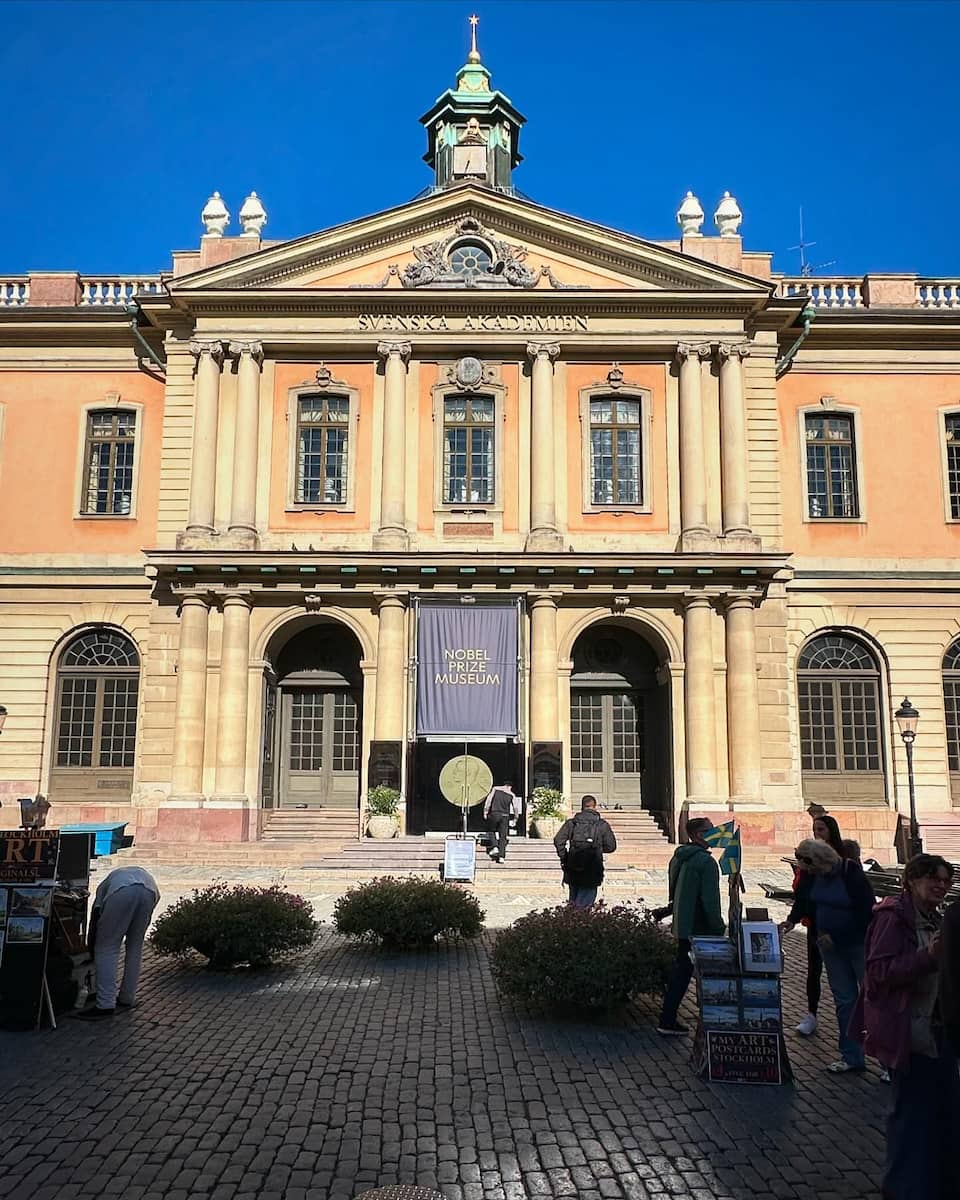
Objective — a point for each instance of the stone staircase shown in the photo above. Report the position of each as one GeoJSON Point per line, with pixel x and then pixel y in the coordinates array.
{"type": "Point", "coordinates": [331, 826]}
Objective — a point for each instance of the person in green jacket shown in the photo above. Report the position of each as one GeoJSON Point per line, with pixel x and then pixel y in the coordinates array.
{"type": "Point", "coordinates": [695, 900]}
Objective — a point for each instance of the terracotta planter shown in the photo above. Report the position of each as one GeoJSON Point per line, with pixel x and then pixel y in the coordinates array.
{"type": "Point", "coordinates": [382, 828]}
{"type": "Point", "coordinates": [546, 827]}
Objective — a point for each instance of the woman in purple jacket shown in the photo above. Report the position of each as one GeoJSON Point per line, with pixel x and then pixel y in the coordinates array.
{"type": "Point", "coordinates": [898, 1018]}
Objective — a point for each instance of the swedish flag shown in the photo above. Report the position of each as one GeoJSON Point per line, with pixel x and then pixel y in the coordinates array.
{"type": "Point", "coordinates": [722, 836]}
{"type": "Point", "coordinates": [730, 860]}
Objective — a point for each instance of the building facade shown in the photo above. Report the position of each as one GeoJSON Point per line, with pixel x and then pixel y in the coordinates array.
{"type": "Point", "coordinates": [713, 511]}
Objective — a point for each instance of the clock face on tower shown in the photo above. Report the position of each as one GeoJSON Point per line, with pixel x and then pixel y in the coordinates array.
{"type": "Point", "coordinates": [470, 160]}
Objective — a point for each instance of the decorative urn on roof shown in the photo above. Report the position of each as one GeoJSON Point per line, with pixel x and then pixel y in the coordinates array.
{"type": "Point", "coordinates": [253, 216]}
{"type": "Point", "coordinates": [690, 216]}
{"type": "Point", "coordinates": [728, 216]}
{"type": "Point", "coordinates": [215, 217]}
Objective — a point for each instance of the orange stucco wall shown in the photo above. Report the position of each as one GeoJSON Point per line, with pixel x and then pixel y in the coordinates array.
{"type": "Point", "coordinates": [653, 378]}
{"type": "Point", "coordinates": [901, 482]}
{"type": "Point", "coordinates": [40, 450]}
{"type": "Point", "coordinates": [291, 375]}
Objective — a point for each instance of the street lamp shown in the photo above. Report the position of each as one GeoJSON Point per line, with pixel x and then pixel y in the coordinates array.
{"type": "Point", "coordinates": [907, 718]}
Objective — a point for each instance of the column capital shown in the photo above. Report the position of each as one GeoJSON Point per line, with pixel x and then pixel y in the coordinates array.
{"type": "Point", "coordinates": [543, 599]}
{"type": "Point", "coordinates": [390, 599]}
{"type": "Point", "coordinates": [234, 599]}
{"type": "Point", "coordinates": [697, 600]}
{"type": "Point", "coordinates": [737, 600]}
{"type": "Point", "coordinates": [402, 349]}
{"type": "Point", "coordinates": [214, 349]}
{"type": "Point", "coordinates": [687, 350]}
{"type": "Point", "coordinates": [193, 599]}
{"type": "Point", "coordinates": [733, 350]}
{"type": "Point", "coordinates": [550, 350]}
{"type": "Point", "coordinates": [254, 349]}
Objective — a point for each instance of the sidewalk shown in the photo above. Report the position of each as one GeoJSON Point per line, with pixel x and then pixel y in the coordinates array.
{"type": "Point", "coordinates": [349, 1070]}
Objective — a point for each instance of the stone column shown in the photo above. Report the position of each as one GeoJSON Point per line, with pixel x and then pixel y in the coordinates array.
{"type": "Point", "coordinates": [743, 704]}
{"type": "Point", "coordinates": [544, 710]}
{"type": "Point", "coordinates": [392, 534]}
{"type": "Point", "coordinates": [243, 506]}
{"type": "Point", "coordinates": [543, 533]}
{"type": "Point", "coordinates": [699, 706]}
{"type": "Point", "coordinates": [693, 470]}
{"type": "Point", "coordinates": [206, 416]}
{"type": "Point", "coordinates": [189, 722]}
{"type": "Point", "coordinates": [733, 439]}
{"type": "Point", "coordinates": [234, 688]}
{"type": "Point", "coordinates": [391, 676]}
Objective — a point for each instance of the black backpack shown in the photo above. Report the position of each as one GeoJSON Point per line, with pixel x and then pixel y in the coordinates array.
{"type": "Point", "coordinates": [585, 847]}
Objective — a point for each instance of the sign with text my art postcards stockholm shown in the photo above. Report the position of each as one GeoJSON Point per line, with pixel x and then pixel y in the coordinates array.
{"type": "Point", "coordinates": [467, 669]}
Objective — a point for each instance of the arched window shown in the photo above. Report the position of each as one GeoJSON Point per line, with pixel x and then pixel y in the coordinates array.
{"type": "Point", "coordinates": [839, 697]}
{"type": "Point", "coordinates": [97, 684]}
{"type": "Point", "coordinates": [951, 704]}
{"type": "Point", "coordinates": [470, 258]}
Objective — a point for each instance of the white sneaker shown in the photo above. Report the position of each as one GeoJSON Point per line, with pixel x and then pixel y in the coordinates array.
{"type": "Point", "coordinates": [807, 1026]}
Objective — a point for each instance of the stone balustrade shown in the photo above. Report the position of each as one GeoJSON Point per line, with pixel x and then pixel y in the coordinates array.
{"type": "Point", "coordinates": [835, 292]}
{"type": "Point", "coordinates": [14, 291]}
{"type": "Point", "coordinates": [113, 291]}
{"type": "Point", "coordinates": [938, 293]}
{"type": "Point", "coordinates": [871, 291]}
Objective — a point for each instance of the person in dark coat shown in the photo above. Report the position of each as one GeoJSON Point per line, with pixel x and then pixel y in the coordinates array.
{"type": "Point", "coordinates": [499, 807]}
{"type": "Point", "coordinates": [899, 1019]}
{"type": "Point", "coordinates": [581, 844]}
{"type": "Point", "coordinates": [694, 895]}
{"type": "Point", "coordinates": [839, 904]}
{"type": "Point", "coordinates": [950, 976]}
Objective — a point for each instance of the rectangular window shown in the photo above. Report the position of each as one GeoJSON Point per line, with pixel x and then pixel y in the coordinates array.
{"type": "Point", "coordinates": [108, 461]}
{"type": "Point", "coordinates": [346, 749]}
{"type": "Point", "coordinates": [818, 736]}
{"type": "Point", "coordinates": [951, 696]}
{"type": "Point", "coordinates": [831, 466]}
{"type": "Point", "coordinates": [627, 734]}
{"type": "Point", "coordinates": [306, 731]}
{"type": "Point", "coordinates": [118, 728]}
{"type": "Point", "coordinates": [78, 707]}
{"type": "Point", "coordinates": [323, 426]}
{"type": "Point", "coordinates": [615, 447]}
{"type": "Point", "coordinates": [952, 435]}
{"type": "Point", "coordinates": [468, 433]}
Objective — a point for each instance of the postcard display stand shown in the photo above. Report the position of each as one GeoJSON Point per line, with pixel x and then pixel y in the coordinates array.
{"type": "Point", "coordinates": [739, 1034]}
{"type": "Point", "coordinates": [28, 873]}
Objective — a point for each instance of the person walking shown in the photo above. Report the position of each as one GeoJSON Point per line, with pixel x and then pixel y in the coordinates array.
{"type": "Point", "coordinates": [122, 908]}
{"type": "Point", "coordinates": [694, 896]}
{"type": "Point", "coordinates": [902, 1018]}
{"type": "Point", "coordinates": [499, 807]}
{"type": "Point", "coordinates": [581, 843]}
{"type": "Point", "coordinates": [839, 905]}
{"type": "Point", "coordinates": [825, 829]}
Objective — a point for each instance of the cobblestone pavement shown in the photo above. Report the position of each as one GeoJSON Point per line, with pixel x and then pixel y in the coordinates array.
{"type": "Point", "coordinates": [349, 1070]}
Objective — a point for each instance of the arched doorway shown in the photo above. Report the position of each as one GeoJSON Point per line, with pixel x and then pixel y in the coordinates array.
{"type": "Point", "coordinates": [620, 739]}
{"type": "Point", "coordinates": [98, 682]}
{"type": "Point", "coordinates": [312, 733]}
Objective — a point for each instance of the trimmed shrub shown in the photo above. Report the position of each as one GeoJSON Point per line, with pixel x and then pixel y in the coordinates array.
{"type": "Point", "coordinates": [407, 914]}
{"type": "Point", "coordinates": [383, 801]}
{"type": "Point", "coordinates": [583, 958]}
{"type": "Point", "coordinates": [231, 925]}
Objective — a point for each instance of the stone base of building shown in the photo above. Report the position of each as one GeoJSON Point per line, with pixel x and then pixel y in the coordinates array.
{"type": "Point", "coordinates": [874, 827]}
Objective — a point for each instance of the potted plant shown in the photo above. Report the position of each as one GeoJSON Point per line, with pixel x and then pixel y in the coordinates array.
{"type": "Point", "coordinates": [548, 812]}
{"type": "Point", "coordinates": [382, 811]}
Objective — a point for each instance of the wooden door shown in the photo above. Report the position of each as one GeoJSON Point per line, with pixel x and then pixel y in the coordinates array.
{"type": "Point", "coordinates": [319, 748]}
{"type": "Point", "coordinates": [607, 745]}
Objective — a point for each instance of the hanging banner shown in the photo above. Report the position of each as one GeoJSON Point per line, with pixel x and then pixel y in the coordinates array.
{"type": "Point", "coordinates": [467, 669]}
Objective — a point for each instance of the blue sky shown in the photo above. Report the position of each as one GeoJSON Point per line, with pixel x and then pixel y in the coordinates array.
{"type": "Point", "coordinates": [127, 115]}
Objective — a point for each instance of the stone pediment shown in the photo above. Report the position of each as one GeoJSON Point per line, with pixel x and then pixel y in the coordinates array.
{"type": "Point", "coordinates": [471, 239]}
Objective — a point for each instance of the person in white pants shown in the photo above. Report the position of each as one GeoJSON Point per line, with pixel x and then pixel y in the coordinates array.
{"type": "Point", "coordinates": [122, 909]}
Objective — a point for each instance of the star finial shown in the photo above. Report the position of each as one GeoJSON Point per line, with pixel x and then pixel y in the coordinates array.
{"type": "Point", "coordinates": [474, 52]}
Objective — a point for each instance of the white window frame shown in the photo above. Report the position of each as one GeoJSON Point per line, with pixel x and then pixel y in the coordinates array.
{"type": "Point", "coordinates": [628, 392]}
{"type": "Point", "coordinates": [827, 405]}
{"type": "Point", "coordinates": [447, 390]}
{"type": "Point", "coordinates": [948, 410]}
{"type": "Point", "coordinates": [294, 396]}
{"type": "Point", "coordinates": [112, 402]}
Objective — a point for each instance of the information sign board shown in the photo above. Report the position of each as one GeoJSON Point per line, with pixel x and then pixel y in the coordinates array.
{"type": "Point", "coordinates": [460, 859]}
{"type": "Point", "coordinates": [734, 1056]}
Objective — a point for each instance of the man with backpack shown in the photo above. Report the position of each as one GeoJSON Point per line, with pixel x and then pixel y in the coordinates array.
{"type": "Point", "coordinates": [581, 844]}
